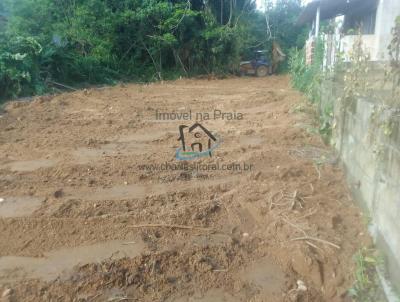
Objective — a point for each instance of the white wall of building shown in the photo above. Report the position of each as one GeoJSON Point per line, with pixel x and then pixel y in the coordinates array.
{"type": "Point", "coordinates": [386, 15]}
{"type": "Point", "coordinates": [376, 45]}
{"type": "Point", "coordinates": [368, 41]}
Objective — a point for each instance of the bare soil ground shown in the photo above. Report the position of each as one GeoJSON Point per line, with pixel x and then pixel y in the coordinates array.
{"type": "Point", "coordinates": [83, 220]}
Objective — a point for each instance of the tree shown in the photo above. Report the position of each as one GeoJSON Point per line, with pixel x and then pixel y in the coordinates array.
{"type": "Point", "coordinates": [102, 41]}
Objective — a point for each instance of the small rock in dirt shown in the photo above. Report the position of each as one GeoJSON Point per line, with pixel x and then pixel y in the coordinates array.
{"type": "Point", "coordinates": [59, 193]}
{"type": "Point", "coordinates": [6, 292]}
{"type": "Point", "coordinates": [1, 199]}
{"type": "Point", "coordinates": [245, 234]}
{"type": "Point", "coordinates": [301, 286]}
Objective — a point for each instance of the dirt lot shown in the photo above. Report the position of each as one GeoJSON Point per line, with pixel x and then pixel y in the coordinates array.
{"type": "Point", "coordinates": [85, 217]}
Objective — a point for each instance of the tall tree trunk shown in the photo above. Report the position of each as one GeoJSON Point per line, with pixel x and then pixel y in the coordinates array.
{"type": "Point", "coordinates": [230, 12]}
{"type": "Point", "coordinates": [222, 12]}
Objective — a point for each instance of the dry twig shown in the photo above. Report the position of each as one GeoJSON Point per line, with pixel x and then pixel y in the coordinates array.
{"type": "Point", "coordinates": [171, 226]}
{"type": "Point", "coordinates": [294, 225]}
{"type": "Point", "coordinates": [317, 239]}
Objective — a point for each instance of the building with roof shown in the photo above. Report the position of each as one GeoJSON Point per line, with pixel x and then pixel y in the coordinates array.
{"type": "Point", "coordinates": [374, 18]}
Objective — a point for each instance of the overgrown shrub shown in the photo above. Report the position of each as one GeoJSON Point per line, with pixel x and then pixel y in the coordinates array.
{"type": "Point", "coordinates": [307, 78]}
{"type": "Point", "coordinates": [95, 41]}
{"type": "Point", "coordinates": [19, 67]}
{"type": "Point", "coordinates": [393, 72]}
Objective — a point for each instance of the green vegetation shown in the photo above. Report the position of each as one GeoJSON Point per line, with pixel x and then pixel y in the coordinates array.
{"type": "Point", "coordinates": [366, 287]}
{"type": "Point", "coordinates": [308, 79]}
{"type": "Point", "coordinates": [393, 72]}
{"type": "Point", "coordinates": [78, 43]}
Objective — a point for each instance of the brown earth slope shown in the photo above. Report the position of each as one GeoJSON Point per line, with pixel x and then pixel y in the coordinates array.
{"type": "Point", "coordinates": [95, 207]}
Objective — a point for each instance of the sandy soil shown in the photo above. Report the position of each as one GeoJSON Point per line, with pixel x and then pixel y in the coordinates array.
{"type": "Point", "coordinates": [85, 217]}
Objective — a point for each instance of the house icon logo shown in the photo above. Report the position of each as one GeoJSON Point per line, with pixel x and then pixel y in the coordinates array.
{"type": "Point", "coordinates": [196, 142]}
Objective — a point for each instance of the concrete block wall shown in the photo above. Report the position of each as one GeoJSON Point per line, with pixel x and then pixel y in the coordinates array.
{"type": "Point", "coordinates": [371, 160]}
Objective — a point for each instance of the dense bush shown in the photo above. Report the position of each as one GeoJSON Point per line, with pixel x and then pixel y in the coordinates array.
{"type": "Point", "coordinates": [19, 66]}
{"type": "Point", "coordinates": [307, 78]}
{"type": "Point", "coordinates": [80, 42]}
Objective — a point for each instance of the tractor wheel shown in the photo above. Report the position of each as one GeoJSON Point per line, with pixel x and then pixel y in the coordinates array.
{"type": "Point", "coordinates": [262, 71]}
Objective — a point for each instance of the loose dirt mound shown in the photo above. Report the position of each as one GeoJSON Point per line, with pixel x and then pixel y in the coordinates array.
{"type": "Point", "coordinates": [95, 207]}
